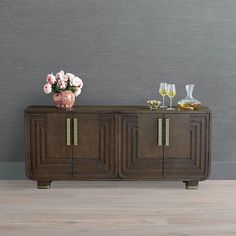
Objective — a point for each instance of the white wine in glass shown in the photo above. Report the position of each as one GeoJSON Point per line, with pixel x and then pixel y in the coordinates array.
{"type": "Point", "coordinates": [163, 93]}
{"type": "Point", "coordinates": [171, 92]}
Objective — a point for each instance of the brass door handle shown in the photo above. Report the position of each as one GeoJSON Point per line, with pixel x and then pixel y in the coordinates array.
{"type": "Point", "coordinates": [159, 132]}
{"type": "Point", "coordinates": [167, 138]}
{"type": "Point", "coordinates": [75, 131]}
{"type": "Point", "coordinates": [68, 131]}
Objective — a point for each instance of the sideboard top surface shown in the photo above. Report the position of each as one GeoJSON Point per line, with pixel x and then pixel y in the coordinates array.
{"type": "Point", "coordinates": [109, 109]}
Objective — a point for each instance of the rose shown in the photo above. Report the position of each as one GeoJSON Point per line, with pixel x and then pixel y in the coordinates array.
{"type": "Point", "coordinates": [78, 92]}
{"type": "Point", "coordinates": [51, 79]}
{"type": "Point", "coordinates": [70, 76]}
{"type": "Point", "coordinates": [81, 83]}
{"type": "Point", "coordinates": [65, 78]}
{"type": "Point", "coordinates": [77, 82]}
{"type": "Point", "coordinates": [62, 84]}
{"type": "Point", "coordinates": [60, 75]}
{"type": "Point", "coordinates": [47, 88]}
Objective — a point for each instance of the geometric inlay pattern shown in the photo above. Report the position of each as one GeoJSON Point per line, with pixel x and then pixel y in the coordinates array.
{"type": "Point", "coordinates": [117, 145]}
{"type": "Point", "coordinates": [129, 143]}
{"type": "Point", "coordinates": [199, 143]}
{"type": "Point", "coordinates": [102, 165]}
{"type": "Point", "coordinates": [39, 165]}
{"type": "Point", "coordinates": [131, 164]}
{"type": "Point", "coordinates": [196, 166]}
{"type": "Point", "coordinates": [107, 142]}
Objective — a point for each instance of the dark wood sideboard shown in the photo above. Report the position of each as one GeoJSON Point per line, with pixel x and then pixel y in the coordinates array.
{"type": "Point", "coordinates": [117, 142]}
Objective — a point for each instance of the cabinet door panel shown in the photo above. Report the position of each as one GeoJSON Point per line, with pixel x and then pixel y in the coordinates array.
{"type": "Point", "coordinates": [140, 155]}
{"type": "Point", "coordinates": [49, 157]}
{"type": "Point", "coordinates": [179, 141]}
{"type": "Point", "coordinates": [87, 146]}
{"type": "Point", "coordinates": [187, 155]}
{"type": "Point", "coordinates": [94, 156]}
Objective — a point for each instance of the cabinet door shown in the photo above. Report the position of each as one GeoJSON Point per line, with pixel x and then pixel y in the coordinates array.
{"type": "Point", "coordinates": [94, 147]}
{"type": "Point", "coordinates": [141, 150]}
{"type": "Point", "coordinates": [48, 156]}
{"type": "Point", "coordinates": [186, 154]}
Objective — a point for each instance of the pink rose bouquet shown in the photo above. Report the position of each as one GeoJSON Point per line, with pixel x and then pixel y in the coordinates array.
{"type": "Point", "coordinates": [62, 82]}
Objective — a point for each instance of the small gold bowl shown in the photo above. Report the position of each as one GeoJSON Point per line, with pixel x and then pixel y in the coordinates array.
{"type": "Point", "coordinates": [153, 104]}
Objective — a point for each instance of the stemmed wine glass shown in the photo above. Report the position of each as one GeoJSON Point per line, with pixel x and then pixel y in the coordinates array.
{"type": "Point", "coordinates": [171, 92]}
{"type": "Point", "coordinates": [163, 93]}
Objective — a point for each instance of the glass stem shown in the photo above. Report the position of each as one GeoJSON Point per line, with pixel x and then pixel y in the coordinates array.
{"type": "Point", "coordinates": [171, 102]}
{"type": "Point", "coordinates": [163, 101]}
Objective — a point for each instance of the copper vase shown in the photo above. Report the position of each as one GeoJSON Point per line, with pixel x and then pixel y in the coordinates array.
{"type": "Point", "coordinates": [64, 100]}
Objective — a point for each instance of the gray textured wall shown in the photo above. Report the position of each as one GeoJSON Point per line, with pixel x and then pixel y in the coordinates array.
{"type": "Point", "coordinates": [122, 49]}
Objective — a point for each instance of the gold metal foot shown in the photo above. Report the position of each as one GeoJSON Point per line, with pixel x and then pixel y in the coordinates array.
{"type": "Point", "coordinates": [191, 184]}
{"type": "Point", "coordinates": [43, 184]}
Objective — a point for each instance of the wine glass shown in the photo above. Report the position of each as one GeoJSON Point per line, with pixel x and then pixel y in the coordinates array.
{"type": "Point", "coordinates": [171, 92]}
{"type": "Point", "coordinates": [163, 93]}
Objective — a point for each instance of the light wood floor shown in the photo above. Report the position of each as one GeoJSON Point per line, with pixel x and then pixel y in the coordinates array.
{"type": "Point", "coordinates": [118, 208]}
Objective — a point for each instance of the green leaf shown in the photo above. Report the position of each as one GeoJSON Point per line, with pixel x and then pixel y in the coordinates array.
{"type": "Point", "coordinates": [72, 88]}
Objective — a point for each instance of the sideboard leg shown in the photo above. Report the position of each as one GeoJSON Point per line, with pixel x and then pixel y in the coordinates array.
{"type": "Point", "coordinates": [43, 184]}
{"type": "Point", "coordinates": [191, 184]}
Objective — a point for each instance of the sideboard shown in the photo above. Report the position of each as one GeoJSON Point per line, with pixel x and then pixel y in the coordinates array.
{"type": "Point", "coordinates": [117, 143]}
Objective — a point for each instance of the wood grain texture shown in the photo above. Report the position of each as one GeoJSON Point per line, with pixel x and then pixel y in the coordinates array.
{"type": "Point", "coordinates": [140, 157]}
{"type": "Point", "coordinates": [94, 156]}
{"type": "Point", "coordinates": [112, 109]}
{"type": "Point", "coordinates": [187, 156]}
{"type": "Point", "coordinates": [48, 157]}
{"type": "Point", "coordinates": [114, 143]}
{"type": "Point", "coordinates": [117, 208]}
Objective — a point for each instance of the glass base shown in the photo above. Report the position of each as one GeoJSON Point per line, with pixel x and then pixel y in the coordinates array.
{"type": "Point", "coordinates": [163, 106]}
{"type": "Point", "coordinates": [170, 109]}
